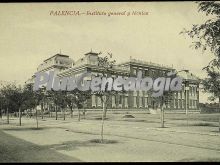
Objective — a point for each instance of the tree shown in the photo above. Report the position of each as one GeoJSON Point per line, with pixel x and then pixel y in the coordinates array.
{"type": "Point", "coordinates": [78, 98]}
{"type": "Point", "coordinates": [15, 95]}
{"type": "Point", "coordinates": [4, 105]}
{"type": "Point", "coordinates": [73, 98]}
{"type": "Point", "coordinates": [105, 64]}
{"type": "Point", "coordinates": [59, 99]}
{"type": "Point", "coordinates": [106, 69]}
{"type": "Point", "coordinates": [70, 102]}
{"type": "Point", "coordinates": [206, 36]}
{"type": "Point", "coordinates": [7, 92]}
{"type": "Point", "coordinates": [165, 100]}
{"type": "Point", "coordinates": [34, 99]}
{"type": "Point", "coordinates": [162, 101]}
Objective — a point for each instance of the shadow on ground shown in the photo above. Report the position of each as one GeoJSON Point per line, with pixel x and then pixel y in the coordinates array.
{"type": "Point", "coordinates": [25, 128]}
{"type": "Point", "coordinates": [73, 145]}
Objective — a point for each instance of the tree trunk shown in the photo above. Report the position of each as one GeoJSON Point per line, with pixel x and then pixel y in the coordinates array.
{"type": "Point", "coordinates": [56, 111]}
{"type": "Point", "coordinates": [64, 115]}
{"type": "Point", "coordinates": [49, 111]}
{"type": "Point", "coordinates": [162, 117]}
{"type": "Point", "coordinates": [7, 113]}
{"type": "Point", "coordinates": [78, 114]}
{"type": "Point", "coordinates": [105, 112]}
{"type": "Point", "coordinates": [1, 112]}
{"type": "Point", "coordinates": [105, 98]}
{"type": "Point", "coordinates": [19, 116]}
{"type": "Point", "coordinates": [36, 118]}
{"type": "Point", "coordinates": [219, 105]}
{"type": "Point", "coordinates": [103, 119]}
{"type": "Point", "coordinates": [31, 111]}
{"type": "Point", "coordinates": [42, 112]}
{"type": "Point", "coordinates": [84, 113]}
{"type": "Point", "coordinates": [71, 112]}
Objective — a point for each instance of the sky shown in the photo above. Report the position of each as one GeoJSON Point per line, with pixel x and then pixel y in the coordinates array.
{"type": "Point", "coordinates": [29, 34]}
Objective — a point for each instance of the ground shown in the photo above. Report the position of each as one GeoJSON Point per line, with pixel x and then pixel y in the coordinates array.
{"type": "Point", "coordinates": [129, 139]}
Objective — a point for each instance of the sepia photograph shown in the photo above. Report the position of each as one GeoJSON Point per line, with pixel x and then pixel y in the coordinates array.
{"type": "Point", "coordinates": [110, 82]}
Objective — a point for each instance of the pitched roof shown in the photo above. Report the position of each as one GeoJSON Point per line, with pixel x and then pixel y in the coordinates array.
{"type": "Point", "coordinates": [62, 55]}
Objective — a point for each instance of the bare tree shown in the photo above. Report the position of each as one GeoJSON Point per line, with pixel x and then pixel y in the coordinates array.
{"type": "Point", "coordinates": [106, 69]}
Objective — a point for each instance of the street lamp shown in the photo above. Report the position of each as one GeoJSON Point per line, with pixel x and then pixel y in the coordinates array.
{"type": "Point", "coordinates": [186, 101]}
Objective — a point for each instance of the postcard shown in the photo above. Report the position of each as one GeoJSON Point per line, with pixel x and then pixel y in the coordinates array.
{"type": "Point", "coordinates": [110, 82]}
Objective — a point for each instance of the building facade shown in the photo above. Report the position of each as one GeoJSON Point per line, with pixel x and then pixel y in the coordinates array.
{"type": "Point", "coordinates": [188, 98]}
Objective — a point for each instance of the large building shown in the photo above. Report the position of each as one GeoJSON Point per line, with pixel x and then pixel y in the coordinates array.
{"type": "Point", "coordinates": [56, 63]}
{"type": "Point", "coordinates": [188, 98]}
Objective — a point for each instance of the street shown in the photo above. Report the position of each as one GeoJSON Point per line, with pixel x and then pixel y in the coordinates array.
{"type": "Point", "coordinates": [135, 141]}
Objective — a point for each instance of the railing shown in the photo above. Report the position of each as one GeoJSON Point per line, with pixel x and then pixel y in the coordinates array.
{"type": "Point", "coordinates": [150, 63]}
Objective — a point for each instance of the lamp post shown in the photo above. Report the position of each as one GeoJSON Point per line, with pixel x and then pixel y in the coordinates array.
{"type": "Point", "coordinates": [186, 101]}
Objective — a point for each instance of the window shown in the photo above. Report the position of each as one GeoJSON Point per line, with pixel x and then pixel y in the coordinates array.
{"type": "Point", "coordinates": [176, 102]}
{"type": "Point", "coordinates": [126, 101]}
{"type": "Point", "coordinates": [190, 91]}
{"type": "Point", "coordinates": [194, 91]}
{"type": "Point", "coordinates": [141, 93]}
{"type": "Point", "coordinates": [135, 102]}
{"type": "Point", "coordinates": [175, 95]}
{"type": "Point", "coordinates": [120, 99]}
{"type": "Point", "coordinates": [146, 72]}
{"type": "Point", "coordinates": [93, 101]}
{"type": "Point", "coordinates": [140, 69]}
{"type": "Point", "coordinates": [99, 102]}
{"type": "Point", "coordinates": [179, 95]}
{"type": "Point", "coordinates": [153, 72]}
{"type": "Point", "coordinates": [134, 71]}
{"type": "Point", "coordinates": [183, 105]}
{"type": "Point", "coordinates": [183, 94]}
{"type": "Point", "coordinates": [135, 93]}
{"type": "Point", "coordinates": [113, 101]}
{"type": "Point", "coordinates": [146, 101]}
{"type": "Point", "coordinates": [140, 102]}
{"type": "Point", "coordinates": [164, 73]}
{"type": "Point", "coordinates": [168, 104]}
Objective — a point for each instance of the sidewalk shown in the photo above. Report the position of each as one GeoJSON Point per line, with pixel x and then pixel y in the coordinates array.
{"type": "Point", "coordinates": [18, 150]}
